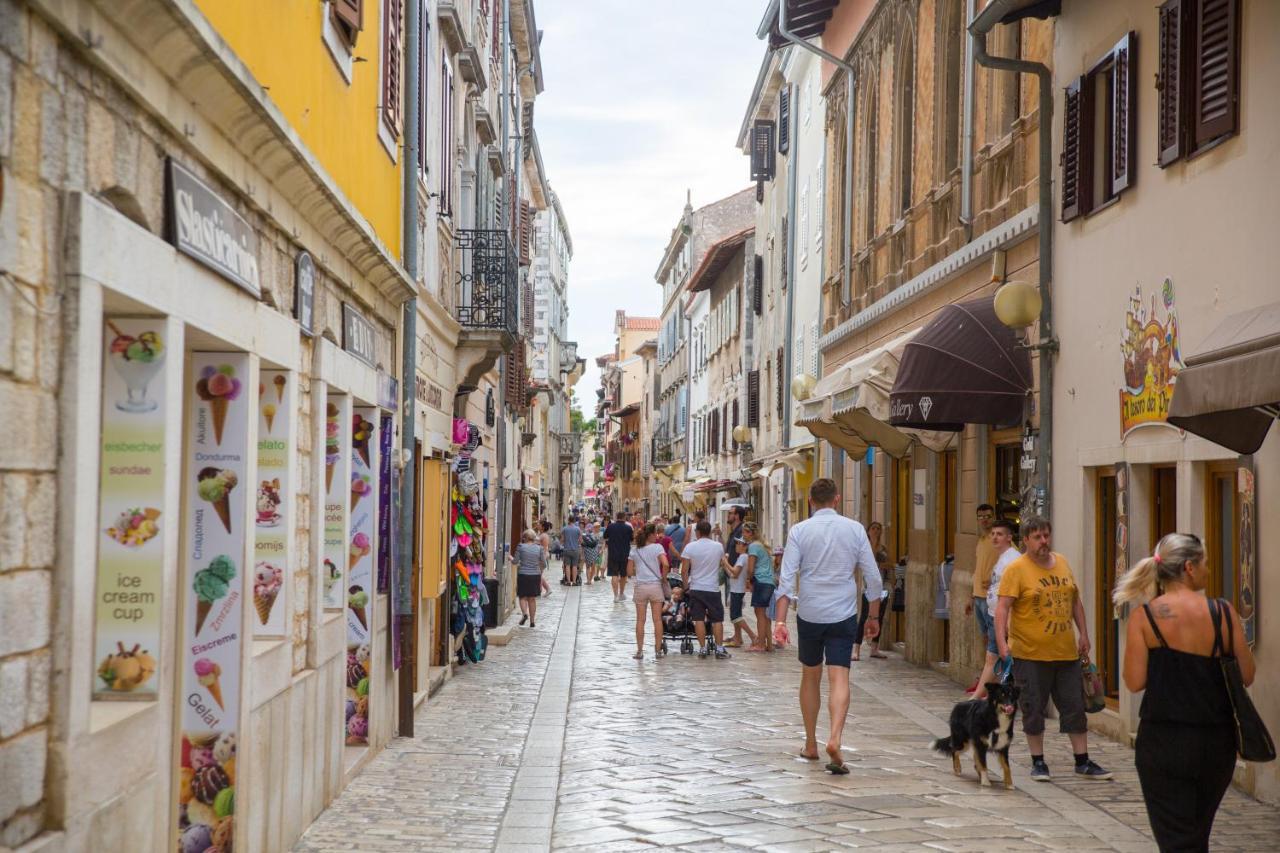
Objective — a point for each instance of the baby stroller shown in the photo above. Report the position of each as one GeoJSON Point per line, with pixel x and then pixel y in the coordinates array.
{"type": "Point", "coordinates": [678, 625]}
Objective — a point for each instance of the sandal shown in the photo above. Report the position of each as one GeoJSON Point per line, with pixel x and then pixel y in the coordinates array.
{"type": "Point", "coordinates": [754, 649]}
{"type": "Point", "coordinates": [837, 769]}
{"type": "Point", "coordinates": [638, 656]}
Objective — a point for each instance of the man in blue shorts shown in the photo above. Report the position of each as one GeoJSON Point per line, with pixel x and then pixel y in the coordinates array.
{"type": "Point", "coordinates": [822, 554]}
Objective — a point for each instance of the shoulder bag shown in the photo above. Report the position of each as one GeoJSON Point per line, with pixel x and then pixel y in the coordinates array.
{"type": "Point", "coordinates": [1253, 741]}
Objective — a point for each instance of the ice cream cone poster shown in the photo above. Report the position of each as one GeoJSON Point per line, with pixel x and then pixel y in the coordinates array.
{"type": "Point", "coordinates": [360, 573]}
{"type": "Point", "coordinates": [337, 502]}
{"type": "Point", "coordinates": [130, 521]}
{"type": "Point", "coordinates": [271, 536]}
{"type": "Point", "coordinates": [213, 572]}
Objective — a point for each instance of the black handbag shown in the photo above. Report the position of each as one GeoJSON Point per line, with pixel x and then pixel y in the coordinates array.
{"type": "Point", "coordinates": [1253, 741]}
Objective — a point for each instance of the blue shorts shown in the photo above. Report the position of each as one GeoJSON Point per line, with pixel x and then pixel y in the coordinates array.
{"type": "Point", "coordinates": [830, 641]}
{"type": "Point", "coordinates": [735, 605]}
{"type": "Point", "coordinates": [762, 594]}
{"type": "Point", "coordinates": [986, 624]}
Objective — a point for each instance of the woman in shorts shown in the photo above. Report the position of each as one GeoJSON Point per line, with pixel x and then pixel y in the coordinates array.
{"type": "Point", "coordinates": [762, 581]}
{"type": "Point", "coordinates": [648, 565]}
{"type": "Point", "coordinates": [530, 562]}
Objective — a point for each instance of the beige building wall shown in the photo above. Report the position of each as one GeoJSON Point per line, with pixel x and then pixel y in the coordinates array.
{"type": "Point", "coordinates": [1205, 225]}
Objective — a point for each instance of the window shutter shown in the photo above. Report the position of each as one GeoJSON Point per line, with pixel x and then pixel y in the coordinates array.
{"type": "Point", "coordinates": [1169, 81]}
{"type": "Point", "coordinates": [1216, 68]}
{"type": "Point", "coordinates": [753, 399]}
{"type": "Point", "coordinates": [1124, 114]}
{"type": "Point", "coordinates": [391, 65]}
{"type": "Point", "coordinates": [757, 286]}
{"type": "Point", "coordinates": [527, 309]}
{"type": "Point", "coordinates": [786, 235]}
{"type": "Point", "coordinates": [1074, 146]}
{"type": "Point", "coordinates": [733, 441]}
{"type": "Point", "coordinates": [763, 156]}
{"type": "Point", "coordinates": [424, 33]}
{"type": "Point", "coordinates": [784, 120]}
{"type": "Point", "coordinates": [526, 231]}
{"type": "Point", "coordinates": [350, 14]}
{"type": "Point", "coordinates": [780, 361]}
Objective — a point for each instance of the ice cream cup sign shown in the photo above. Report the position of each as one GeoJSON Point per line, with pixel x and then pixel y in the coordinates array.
{"type": "Point", "coordinates": [218, 386]}
{"type": "Point", "coordinates": [137, 360]}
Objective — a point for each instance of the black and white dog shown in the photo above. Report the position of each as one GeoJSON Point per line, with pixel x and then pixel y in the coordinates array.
{"type": "Point", "coordinates": [987, 725]}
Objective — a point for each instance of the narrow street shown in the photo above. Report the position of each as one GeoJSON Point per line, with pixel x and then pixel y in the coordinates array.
{"type": "Point", "coordinates": [561, 741]}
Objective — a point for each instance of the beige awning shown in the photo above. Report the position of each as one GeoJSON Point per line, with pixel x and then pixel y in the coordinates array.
{"type": "Point", "coordinates": [849, 407]}
{"type": "Point", "coordinates": [1229, 392]}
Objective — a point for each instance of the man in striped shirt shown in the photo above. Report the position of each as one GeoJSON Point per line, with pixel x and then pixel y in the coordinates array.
{"type": "Point", "coordinates": [821, 556]}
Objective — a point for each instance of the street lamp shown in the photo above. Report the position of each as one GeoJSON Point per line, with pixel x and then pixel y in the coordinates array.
{"type": "Point", "coordinates": [802, 386]}
{"type": "Point", "coordinates": [1018, 305]}
{"type": "Point", "coordinates": [742, 435]}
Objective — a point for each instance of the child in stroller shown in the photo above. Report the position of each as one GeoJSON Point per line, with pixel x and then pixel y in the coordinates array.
{"type": "Point", "coordinates": [676, 623]}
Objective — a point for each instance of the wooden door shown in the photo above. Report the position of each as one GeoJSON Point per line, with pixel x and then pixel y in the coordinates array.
{"type": "Point", "coordinates": [1222, 532]}
{"type": "Point", "coordinates": [1105, 538]}
{"type": "Point", "coordinates": [1164, 502]}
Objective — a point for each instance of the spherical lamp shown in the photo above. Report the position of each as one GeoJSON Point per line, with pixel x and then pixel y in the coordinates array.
{"type": "Point", "coordinates": [1018, 304]}
{"type": "Point", "coordinates": [741, 434]}
{"type": "Point", "coordinates": [802, 386]}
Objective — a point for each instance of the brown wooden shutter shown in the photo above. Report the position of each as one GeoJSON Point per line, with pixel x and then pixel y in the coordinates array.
{"type": "Point", "coordinates": [350, 15]}
{"type": "Point", "coordinates": [782, 380]}
{"type": "Point", "coordinates": [526, 231]}
{"type": "Point", "coordinates": [784, 120]}
{"type": "Point", "coordinates": [726, 434]}
{"type": "Point", "coordinates": [1124, 114]}
{"type": "Point", "coordinates": [734, 445]}
{"type": "Point", "coordinates": [753, 399]}
{"type": "Point", "coordinates": [1074, 145]}
{"type": "Point", "coordinates": [1216, 70]}
{"type": "Point", "coordinates": [757, 290]}
{"type": "Point", "coordinates": [515, 376]}
{"type": "Point", "coordinates": [763, 156]}
{"type": "Point", "coordinates": [1169, 81]}
{"type": "Point", "coordinates": [782, 274]}
{"type": "Point", "coordinates": [526, 308]}
{"type": "Point", "coordinates": [391, 53]}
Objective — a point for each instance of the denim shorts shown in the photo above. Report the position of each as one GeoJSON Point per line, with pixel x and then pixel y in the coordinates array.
{"type": "Point", "coordinates": [735, 605]}
{"type": "Point", "coordinates": [762, 594]}
{"type": "Point", "coordinates": [986, 624]}
{"type": "Point", "coordinates": [830, 641]}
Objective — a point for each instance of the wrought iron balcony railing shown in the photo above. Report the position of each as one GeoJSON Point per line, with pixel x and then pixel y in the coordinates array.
{"type": "Point", "coordinates": [488, 281]}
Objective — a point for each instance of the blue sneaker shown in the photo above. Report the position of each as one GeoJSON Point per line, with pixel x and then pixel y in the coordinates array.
{"type": "Point", "coordinates": [1090, 770]}
{"type": "Point", "coordinates": [1040, 772]}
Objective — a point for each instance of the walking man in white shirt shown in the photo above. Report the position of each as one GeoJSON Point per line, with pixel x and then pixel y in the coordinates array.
{"type": "Point", "coordinates": [822, 554]}
{"type": "Point", "coordinates": [700, 575]}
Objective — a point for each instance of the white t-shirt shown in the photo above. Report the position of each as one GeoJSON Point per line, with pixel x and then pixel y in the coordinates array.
{"type": "Point", "coordinates": [739, 584]}
{"type": "Point", "coordinates": [704, 564]}
{"type": "Point", "coordinates": [648, 568]}
{"type": "Point", "coordinates": [997, 571]}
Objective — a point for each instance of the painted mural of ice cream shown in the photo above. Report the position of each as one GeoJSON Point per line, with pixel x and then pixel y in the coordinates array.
{"type": "Point", "coordinates": [360, 488]}
{"type": "Point", "coordinates": [218, 386]}
{"type": "Point", "coordinates": [208, 673]}
{"type": "Point", "coordinates": [357, 601]}
{"type": "Point", "coordinates": [332, 444]}
{"type": "Point", "coordinates": [267, 582]}
{"type": "Point", "coordinates": [360, 548]}
{"type": "Point", "coordinates": [136, 360]}
{"type": "Point", "coordinates": [210, 585]}
{"type": "Point", "coordinates": [214, 485]}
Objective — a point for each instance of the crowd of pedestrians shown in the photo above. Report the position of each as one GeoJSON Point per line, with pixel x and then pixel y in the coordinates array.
{"type": "Point", "coordinates": [834, 574]}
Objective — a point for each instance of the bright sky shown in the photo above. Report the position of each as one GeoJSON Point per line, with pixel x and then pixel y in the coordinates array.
{"type": "Point", "coordinates": [643, 100]}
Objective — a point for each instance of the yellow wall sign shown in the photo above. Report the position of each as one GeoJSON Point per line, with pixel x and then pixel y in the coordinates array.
{"type": "Point", "coordinates": [1152, 360]}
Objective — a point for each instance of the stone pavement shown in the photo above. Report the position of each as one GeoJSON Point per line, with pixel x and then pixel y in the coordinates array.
{"type": "Point", "coordinates": [561, 741]}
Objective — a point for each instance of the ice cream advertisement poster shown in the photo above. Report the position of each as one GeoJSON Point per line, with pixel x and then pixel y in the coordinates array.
{"type": "Point", "coordinates": [337, 490]}
{"type": "Point", "coordinates": [360, 574]}
{"type": "Point", "coordinates": [130, 496]}
{"type": "Point", "coordinates": [271, 537]}
{"type": "Point", "coordinates": [219, 407]}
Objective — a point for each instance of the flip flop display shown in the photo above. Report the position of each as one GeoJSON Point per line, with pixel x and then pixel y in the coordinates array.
{"type": "Point", "coordinates": [467, 545]}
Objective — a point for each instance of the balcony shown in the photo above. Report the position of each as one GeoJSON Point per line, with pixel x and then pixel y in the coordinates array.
{"type": "Point", "coordinates": [488, 301]}
{"type": "Point", "coordinates": [570, 448]}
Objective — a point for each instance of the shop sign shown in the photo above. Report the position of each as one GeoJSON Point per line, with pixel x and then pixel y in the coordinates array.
{"type": "Point", "coordinates": [388, 391]}
{"type": "Point", "coordinates": [360, 564]}
{"type": "Point", "coordinates": [337, 441]}
{"type": "Point", "coordinates": [1152, 360]}
{"type": "Point", "coordinates": [1246, 491]}
{"type": "Point", "coordinates": [304, 292]}
{"type": "Point", "coordinates": [428, 393]}
{"type": "Point", "coordinates": [212, 587]}
{"type": "Point", "coordinates": [130, 498]}
{"type": "Point", "coordinates": [204, 227]}
{"type": "Point", "coordinates": [357, 334]}
{"type": "Point", "coordinates": [274, 493]}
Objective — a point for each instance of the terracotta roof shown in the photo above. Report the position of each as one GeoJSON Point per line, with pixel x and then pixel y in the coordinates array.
{"type": "Point", "coordinates": [641, 324]}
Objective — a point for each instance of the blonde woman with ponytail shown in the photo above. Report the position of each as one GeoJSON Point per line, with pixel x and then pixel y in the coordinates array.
{"type": "Point", "coordinates": [1186, 749]}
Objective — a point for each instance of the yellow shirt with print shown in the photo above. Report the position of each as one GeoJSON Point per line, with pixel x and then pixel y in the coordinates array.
{"type": "Point", "coordinates": [984, 562]}
{"type": "Point", "coordinates": [1041, 619]}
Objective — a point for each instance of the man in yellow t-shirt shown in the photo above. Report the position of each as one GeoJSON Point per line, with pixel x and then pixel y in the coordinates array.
{"type": "Point", "coordinates": [1039, 602]}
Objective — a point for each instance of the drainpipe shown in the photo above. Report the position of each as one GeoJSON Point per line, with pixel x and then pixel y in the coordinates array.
{"type": "Point", "coordinates": [789, 352]}
{"type": "Point", "coordinates": [1048, 344]}
{"type": "Point", "coordinates": [846, 277]}
{"type": "Point", "coordinates": [966, 158]}
{"type": "Point", "coordinates": [408, 369]}
{"type": "Point", "coordinates": [500, 407]}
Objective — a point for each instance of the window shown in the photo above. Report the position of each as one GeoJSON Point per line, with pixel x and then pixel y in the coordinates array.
{"type": "Point", "coordinates": [348, 18]}
{"type": "Point", "coordinates": [763, 153]}
{"type": "Point", "coordinates": [1222, 532]}
{"type": "Point", "coordinates": [424, 42]}
{"type": "Point", "coordinates": [1099, 115]}
{"type": "Point", "coordinates": [784, 120]}
{"type": "Point", "coordinates": [391, 59]}
{"type": "Point", "coordinates": [905, 123]}
{"type": "Point", "coordinates": [949, 93]}
{"type": "Point", "coordinates": [1197, 76]}
{"type": "Point", "coordinates": [446, 137]}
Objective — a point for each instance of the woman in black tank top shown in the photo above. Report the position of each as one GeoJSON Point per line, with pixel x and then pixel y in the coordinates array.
{"type": "Point", "coordinates": [1185, 751]}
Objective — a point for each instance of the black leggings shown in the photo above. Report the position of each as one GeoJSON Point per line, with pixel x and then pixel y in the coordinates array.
{"type": "Point", "coordinates": [1184, 771]}
{"type": "Point", "coordinates": [864, 612]}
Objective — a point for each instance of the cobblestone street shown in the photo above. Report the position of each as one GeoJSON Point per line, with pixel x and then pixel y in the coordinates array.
{"type": "Point", "coordinates": [561, 741]}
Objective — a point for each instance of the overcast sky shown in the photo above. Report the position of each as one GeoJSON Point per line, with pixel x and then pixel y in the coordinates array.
{"type": "Point", "coordinates": [643, 101]}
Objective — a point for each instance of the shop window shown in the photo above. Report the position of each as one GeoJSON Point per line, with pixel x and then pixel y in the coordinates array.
{"type": "Point", "coordinates": [1099, 157]}
{"type": "Point", "coordinates": [1108, 627]}
{"type": "Point", "coordinates": [948, 494]}
{"type": "Point", "coordinates": [1164, 503]}
{"type": "Point", "coordinates": [1007, 489]}
{"type": "Point", "coordinates": [1222, 534]}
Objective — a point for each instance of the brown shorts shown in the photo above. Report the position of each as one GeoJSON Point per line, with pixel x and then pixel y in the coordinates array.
{"type": "Point", "coordinates": [647, 593]}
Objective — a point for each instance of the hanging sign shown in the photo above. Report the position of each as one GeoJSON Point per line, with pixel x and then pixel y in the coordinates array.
{"type": "Point", "coordinates": [357, 334]}
{"type": "Point", "coordinates": [204, 227]}
{"type": "Point", "coordinates": [304, 292]}
{"type": "Point", "coordinates": [1152, 360]}
{"type": "Point", "coordinates": [271, 532]}
{"type": "Point", "coordinates": [360, 578]}
{"type": "Point", "coordinates": [213, 585]}
{"type": "Point", "coordinates": [130, 496]}
{"type": "Point", "coordinates": [337, 442]}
